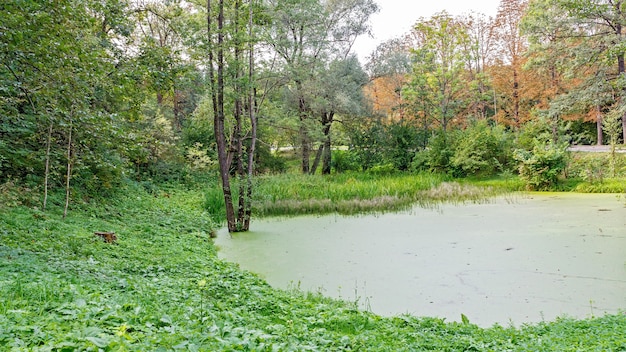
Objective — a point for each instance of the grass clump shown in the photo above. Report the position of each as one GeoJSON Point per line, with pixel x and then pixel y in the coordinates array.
{"type": "Point", "coordinates": [162, 287]}
{"type": "Point", "coordinates": [355, 193]}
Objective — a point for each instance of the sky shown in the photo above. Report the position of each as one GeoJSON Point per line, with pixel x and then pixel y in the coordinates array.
{"type": "Point", "coordinates": [396, 17]}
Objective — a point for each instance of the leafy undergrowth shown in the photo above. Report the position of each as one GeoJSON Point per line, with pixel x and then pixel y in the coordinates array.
{"type": "Point", "coordinates": [161, 287]}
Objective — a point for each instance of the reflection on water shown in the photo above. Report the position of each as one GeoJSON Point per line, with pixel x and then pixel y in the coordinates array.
{"type": "Point", "coordinates": [537, 257]}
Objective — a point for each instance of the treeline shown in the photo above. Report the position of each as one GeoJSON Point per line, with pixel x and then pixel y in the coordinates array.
{"type": "Point", "coordinates": [474, 94]}
{"type": "Point", "coordinates": [96, 91]}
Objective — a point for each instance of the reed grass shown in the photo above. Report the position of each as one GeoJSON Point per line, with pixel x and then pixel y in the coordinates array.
{"type": "Point", "coordinates": [355, 193]}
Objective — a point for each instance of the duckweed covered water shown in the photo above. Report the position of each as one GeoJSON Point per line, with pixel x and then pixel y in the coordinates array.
{"type": "Point", "coordinates": [519, 259]}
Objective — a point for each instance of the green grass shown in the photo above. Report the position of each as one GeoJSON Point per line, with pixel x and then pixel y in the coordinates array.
{"type": "Point", "coordinates": [354, 193]}
{"type": "Point", "coordinates": [161, 287]}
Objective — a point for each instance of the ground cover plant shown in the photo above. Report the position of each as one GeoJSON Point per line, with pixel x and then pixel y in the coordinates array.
{"type": "Point", "coordinates": [162, 287]}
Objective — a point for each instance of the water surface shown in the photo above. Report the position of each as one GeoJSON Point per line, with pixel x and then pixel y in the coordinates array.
{"type": "Point", "coordinates": [520, 259]}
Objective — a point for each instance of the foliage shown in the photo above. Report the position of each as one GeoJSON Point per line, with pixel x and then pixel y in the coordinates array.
{"type": "Point", "coordinates": [439, 153]}
{"type": "Point", "coordinates": [481, 150]}
{"type": "Point", "coordinates": [436, 91]}
{"type": "Point", "coordinates": [377, 143]}
{"type": "Point", "coordinates": [595, 167]}
{"type": "Point", "coordinates": [543, 165]}
{"type": "Point", "coordinates": [344, 161]}
{"type": "Point", "coordinates": [268, 162]}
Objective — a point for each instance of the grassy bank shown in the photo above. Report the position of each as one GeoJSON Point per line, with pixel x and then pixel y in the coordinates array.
{"type": "Point", "coordinates": [161, 287]}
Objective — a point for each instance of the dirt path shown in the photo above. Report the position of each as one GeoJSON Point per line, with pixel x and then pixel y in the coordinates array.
{"type": "Point", "coordinates": [596, 148]}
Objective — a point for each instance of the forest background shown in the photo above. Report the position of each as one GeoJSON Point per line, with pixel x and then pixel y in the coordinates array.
{"type": "Point", "coordinates": [96, 92]}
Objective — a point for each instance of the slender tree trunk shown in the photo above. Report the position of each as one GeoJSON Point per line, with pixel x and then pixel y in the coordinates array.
{"type": "Point", "coordinates": [316, 161]}
{"type": "Point", "coordinates": [599, 126]}
{"type": "Point", "coordinates": [326, 162]}
{"type": "Point", "coordinates": [47, 170]}
{"type": "Point", "coordinates": [304, 134]}
{"type": "Point", "coordinates": [253, 121]}
{"type": "Point", "coordinates": [624, 129]}
{"type": "Point", "coordinates": [306, 147]}
{"type": "Point", "coordinates": [178, 123]}
{"type": "Point", "coordinates": [326, 165]}
{"type": "Point", "coordinates": [516, 103]}
{"type": "Point", "coordinates": [217, 95]}
{"type": "Point", "coordinates": [68, 176]}
{"type": "Point", "coordinates": [622, 69]}
{"type": "Point", "coordinates": [237, 134]}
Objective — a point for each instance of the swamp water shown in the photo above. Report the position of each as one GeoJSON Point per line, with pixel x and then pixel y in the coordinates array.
{"type": "Point", "coordinates": [520, 259]}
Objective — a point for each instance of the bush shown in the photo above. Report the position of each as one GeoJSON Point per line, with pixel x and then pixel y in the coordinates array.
{"type": "Point", "coordinates": [343, 161]}
{"type": "Point", "coordinates": [401, 141]}
{"type": "Point", "coordinates": [440, 152]}
{"type": "Point", "coordinates": [382, 169]}
{"type": "Point", "coordinates": [268, 162]}
{"type": "Point", "coordinates": [541, 167]}
{"type": "Point", "coordinates": [481, 150]}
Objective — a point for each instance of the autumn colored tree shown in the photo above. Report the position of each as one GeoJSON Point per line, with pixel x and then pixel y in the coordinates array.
{"type": "Point", "coordinates": [568, 91]}
{"type": "Point", "coordinates": [388, 67]}
{"type": "Point", "coordinates": [591, 33]}
{"type": "Point", "coordinates": [508, 75]}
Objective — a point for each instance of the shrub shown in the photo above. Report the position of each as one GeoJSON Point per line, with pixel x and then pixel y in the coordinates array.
{"type": "Point", "coordinates": [541, 167]}
{"type": "Point", "coordinates": [440, 152]}
{"type": "Point", "coordinates": [382, 169]}
{"type": "Point", "coordinates": [268, 162]}
{"type": "Point", "coordinates": [481, 150]}
{"type": "Point", "coordinates": [343, 161]}
{"type": "Point", "coordinates": [401, 141]}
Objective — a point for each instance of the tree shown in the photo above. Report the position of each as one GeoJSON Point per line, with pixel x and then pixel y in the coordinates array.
{"type": "Point", "coordinates": [229, 37]}
{"type": "Point", "coordinates": [340, 93]}
{"type": "Point", "coordinates": [388, 67]}
{"type": "Point", "coordinates": [509, 69]}
{"type": "Point", "coordinates": [437, 92]}
{"type": "Point", "coordinates": [481, 49]}
{"type": "Point", "coordinates": [305, 36]}
{"type": "Point", "coordinates": [64, 100]}
{"type": "Point", "coordinates": [591, 34]}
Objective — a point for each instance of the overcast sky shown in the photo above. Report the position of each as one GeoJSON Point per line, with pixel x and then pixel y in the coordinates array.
{"type": "Point", "coordinates": [396, 17]}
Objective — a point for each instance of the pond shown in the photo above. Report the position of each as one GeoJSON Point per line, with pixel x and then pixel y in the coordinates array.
{"type": "Point", "coordinates": [512, 260]}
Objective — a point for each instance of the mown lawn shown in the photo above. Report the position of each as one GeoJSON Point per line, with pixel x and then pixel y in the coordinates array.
{"type": "Point", "coordinates": [162, 288]}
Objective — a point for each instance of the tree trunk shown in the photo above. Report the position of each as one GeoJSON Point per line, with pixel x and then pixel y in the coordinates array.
{"type": "Point", "coordinates": [327, 156]}
{"type": "Point", "coordinates": [47, 170]}
{"type": "Point", "coordinates": [621, 70]}
{"type": "Point", "coordinates": [624, 129]}
{"type": "Point", "coordinates": [316, 161]}
{"type": "Point", "coordinates": [178, 123]}
{"type": "Point", "coordinates": [253, 123]}
{"type": "Point", "coordinates": [69, 171]}
{"type": "Point", "coordinates": [599, 130]}
{"type": "Point", "coordinates": [326, 165]}
{"type": "Point", "coordinates": [217, 95]}
{"type": "Point", "coordinates": [516, 102]}
{"type": "Point", "coordinates": [304, 137]}
{"type": "Point", "coordinates": [237, 133]}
